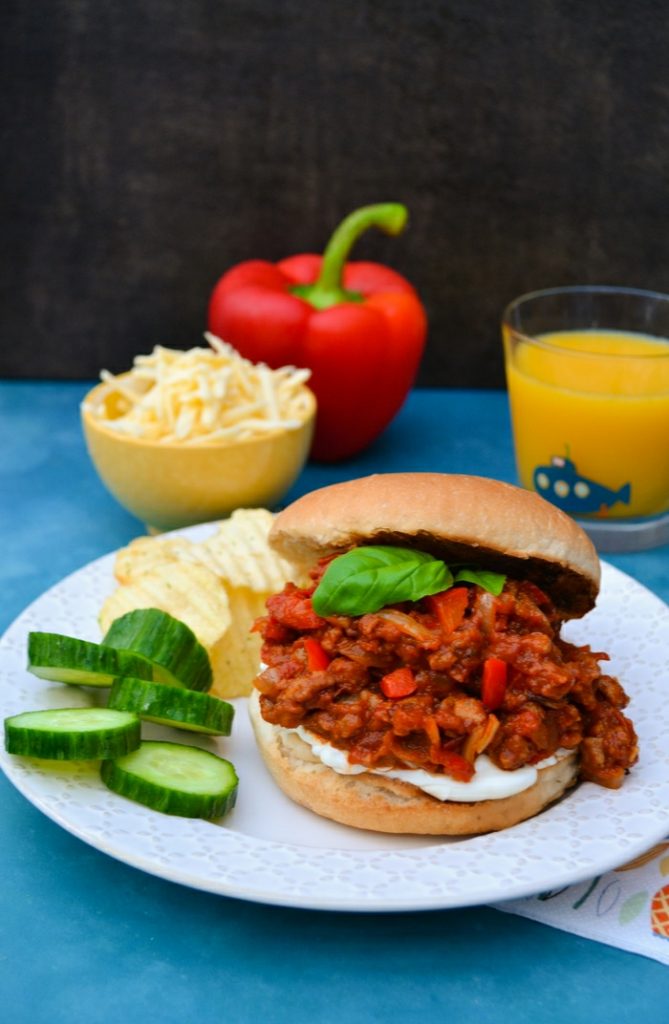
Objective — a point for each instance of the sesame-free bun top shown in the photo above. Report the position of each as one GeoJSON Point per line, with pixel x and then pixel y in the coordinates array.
{"type": "Point", "coordinates": [462, 519]}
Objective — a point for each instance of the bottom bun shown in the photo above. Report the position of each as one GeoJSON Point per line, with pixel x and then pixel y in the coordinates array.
{"type": "Point", "coordinates": [381, 804]}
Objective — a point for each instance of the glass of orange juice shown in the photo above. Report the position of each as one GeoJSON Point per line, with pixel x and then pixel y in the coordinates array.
{"type": "Point", "coordinates": [588, 378]}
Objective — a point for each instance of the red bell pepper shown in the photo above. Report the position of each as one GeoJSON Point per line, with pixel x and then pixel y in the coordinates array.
{"type": "Point", "coordinates": [317, 658]}
{"type": "Point", "coordinates": [449, 607]}
{"type": "Point", "coordinates": [457, 766]}
{"type": "Point", "coordinates": [400, 683]}
{"type": "Point", "coordinates": [359, 327]}
{"type": "Point", "coordinates": [493, 687]}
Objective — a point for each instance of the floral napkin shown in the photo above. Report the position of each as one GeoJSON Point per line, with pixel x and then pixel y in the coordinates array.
{"type": "Point", "coordinates": [627, 908]}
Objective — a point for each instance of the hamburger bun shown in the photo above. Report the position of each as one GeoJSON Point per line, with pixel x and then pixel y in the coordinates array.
{"type": "Point", "coordinates": [461, 519]}
{"type": "Point", "coordinates": [454, 517]}
{"type": "Point", "coordinates": [381, 804]}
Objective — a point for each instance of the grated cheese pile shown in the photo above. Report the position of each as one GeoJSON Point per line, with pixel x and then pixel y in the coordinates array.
{"type": "Point", "coordinates": [203, 395]}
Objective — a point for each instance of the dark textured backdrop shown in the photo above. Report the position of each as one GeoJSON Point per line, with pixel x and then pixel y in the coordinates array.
{"type": "Point", "coordinates": [150, 144]}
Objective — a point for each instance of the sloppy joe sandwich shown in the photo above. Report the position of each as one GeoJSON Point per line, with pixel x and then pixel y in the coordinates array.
{"type": "Point", "coordinates": [416, 680]}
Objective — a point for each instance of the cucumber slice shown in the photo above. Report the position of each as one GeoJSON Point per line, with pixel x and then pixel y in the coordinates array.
{"type": "Point", "coordinates": [172, 705]}
{"type": "Point", "coordinates": [67, 660]}
{"type": "Point", "coordinates": [72, 734]}
{"type": "Point", "coordinates": [174, 779]}
{"type": "Point", "coordinates": [178, 656]}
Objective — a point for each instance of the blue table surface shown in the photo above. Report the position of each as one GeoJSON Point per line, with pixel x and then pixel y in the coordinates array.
{"type": "Point", "coordinates": [86, 938]}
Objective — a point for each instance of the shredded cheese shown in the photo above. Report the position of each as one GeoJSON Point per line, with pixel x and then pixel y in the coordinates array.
{"type": "Point", "coordinates": [202, 395]}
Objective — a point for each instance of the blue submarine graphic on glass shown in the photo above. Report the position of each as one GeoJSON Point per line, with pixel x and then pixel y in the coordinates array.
{"type": "Point", "coordinates": [561, 483]}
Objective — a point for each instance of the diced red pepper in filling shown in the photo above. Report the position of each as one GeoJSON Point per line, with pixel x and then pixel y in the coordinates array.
{"type": "Point", "coordinates": [493, 686]}
{"type": "Point", "coordinates": [449, 606]}
{"type": "Point", "coordinates": [458, 767]}
{"type": "Point", "coordinates": [317, 659]}
{"type": "Point", "coordinates": [400, 683]}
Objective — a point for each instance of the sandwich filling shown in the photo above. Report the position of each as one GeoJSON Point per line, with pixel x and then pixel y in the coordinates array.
{"type": "Point", "coordinates": [488, 782]}
{"type": "Point", "coordinates": [433, 684]}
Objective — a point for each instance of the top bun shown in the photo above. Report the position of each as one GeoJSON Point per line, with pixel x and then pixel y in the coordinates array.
{"type": "Point", "coordinates": [462, 519]}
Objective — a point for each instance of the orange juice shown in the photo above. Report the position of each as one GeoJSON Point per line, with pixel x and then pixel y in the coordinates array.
{"type": "Point", "coordinates": [590, 413]}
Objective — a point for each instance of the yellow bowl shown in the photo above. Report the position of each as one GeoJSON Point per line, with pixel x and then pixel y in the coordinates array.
{"type": "Point", "coordinates": [169, 485]}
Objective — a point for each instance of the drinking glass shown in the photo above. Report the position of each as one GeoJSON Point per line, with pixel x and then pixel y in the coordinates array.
{"type": "Point", "coordinates": [588, 379]}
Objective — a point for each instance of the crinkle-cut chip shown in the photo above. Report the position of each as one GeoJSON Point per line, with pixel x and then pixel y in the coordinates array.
{"type": "Point", "coordinates": [125, 599]}
{"type": "Point", "coordinates": [138, 557]}
{"type": "Point", "coordinates": [238, 552]}
{"type": "Point", "coordinates": [145, 553]}
{"type": "Point", "coordinates": [218, 587]}
{"type": "Point", "coordinates": [242, 556]}
{"type": "Point", "coordinates": [235, 659]}
{"type": "Point", "coordinates": [191, 593]}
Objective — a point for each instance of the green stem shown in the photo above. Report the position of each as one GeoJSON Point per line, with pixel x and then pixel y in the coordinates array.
{"type": "Point", "coordinates": [328, 290]}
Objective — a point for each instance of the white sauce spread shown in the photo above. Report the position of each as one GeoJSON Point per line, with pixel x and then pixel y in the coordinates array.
{"type": "Point", "coordinates": [488, 783]}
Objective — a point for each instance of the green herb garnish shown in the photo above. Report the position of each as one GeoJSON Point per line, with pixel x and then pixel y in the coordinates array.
{"type": "Point", "coordinates": [491, 581]}
{"type": "Point", "coordinates": [366, 579]}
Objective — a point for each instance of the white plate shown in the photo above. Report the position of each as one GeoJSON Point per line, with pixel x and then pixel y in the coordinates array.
{"type": "Point", "coordinates": [271, 851]}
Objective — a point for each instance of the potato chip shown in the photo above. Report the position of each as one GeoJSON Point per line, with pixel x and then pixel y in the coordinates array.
{"type": "Point", "coordinates": [235, 659]}
{"type": "Point", "coordinates": [242, 555]}
{"type": "Point", "coordinates": [144, 553]}
{"type": "Point", "coordinates": [218, 587]}
{"type": "Point", "coordinates": [191, 593]}
{"type": "Point", "coordinates": [126, 599]}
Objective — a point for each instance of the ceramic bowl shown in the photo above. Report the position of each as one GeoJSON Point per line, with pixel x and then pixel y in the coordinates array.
{"type": "Point", "coordinates": [170, 485]}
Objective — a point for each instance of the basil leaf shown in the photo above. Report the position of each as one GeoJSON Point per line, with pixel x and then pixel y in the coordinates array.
{"type": "Point", "coordinates": [366, 579]}
{"type": "Point", "coordinates": [490, 581]}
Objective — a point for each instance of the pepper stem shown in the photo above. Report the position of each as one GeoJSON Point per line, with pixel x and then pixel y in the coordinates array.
{"type": "Point", "coordinates": [328, 289]}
